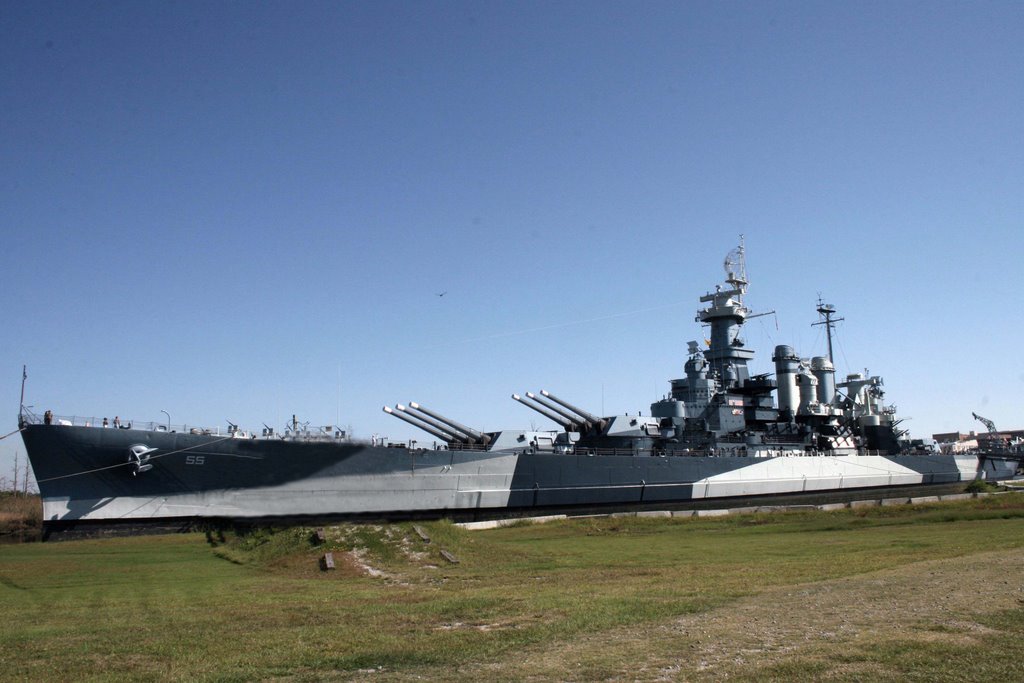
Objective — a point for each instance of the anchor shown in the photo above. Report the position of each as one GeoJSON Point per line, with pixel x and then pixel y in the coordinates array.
{"type": "Point", "coordinates": [138, 457]}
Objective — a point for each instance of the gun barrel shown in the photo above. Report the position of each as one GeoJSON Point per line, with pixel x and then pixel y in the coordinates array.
{"type": "Point", "coordinates": [576, 421]}
{"type": "Point", "coordinates": [426, 428]}
{"type": "Point", "coordinates": [551, 416]}
{"type": "Point", "coordinates": [592, 419]}
{"type": "Point", "coordinates": [479, 437]}
{"type": "Point", "coordinates": [452, 434]}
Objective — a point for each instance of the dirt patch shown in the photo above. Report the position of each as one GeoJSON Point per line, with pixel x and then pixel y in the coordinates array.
{"type": "Point", "coordinates": [458, 625]}
{"type": "Point", "coordinates": [308, 566]}
{"type": "Point", "coordinates": [358, 558]}
{"type": "Point", "coordinates": [924, 601]}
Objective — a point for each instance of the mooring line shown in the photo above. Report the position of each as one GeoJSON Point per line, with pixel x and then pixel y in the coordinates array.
{"type": "Point", "coordinates": [20, 429]}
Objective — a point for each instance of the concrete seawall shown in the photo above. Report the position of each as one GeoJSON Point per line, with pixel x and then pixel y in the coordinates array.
{"type": "Point", "coordinates": [853, 504]}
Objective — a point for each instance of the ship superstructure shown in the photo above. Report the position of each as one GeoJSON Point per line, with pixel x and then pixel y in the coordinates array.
{"type": "Point", "coordinates": [718, 408]}
{"type": "Point", "coordinates": [719, 405]}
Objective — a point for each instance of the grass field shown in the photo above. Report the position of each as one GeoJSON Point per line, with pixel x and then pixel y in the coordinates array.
{"type": "Point", "coordinates": [929, 593]}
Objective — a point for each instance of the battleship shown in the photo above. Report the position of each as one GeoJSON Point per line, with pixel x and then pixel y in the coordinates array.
{"type": "Point", "coordinates": [719, 433]}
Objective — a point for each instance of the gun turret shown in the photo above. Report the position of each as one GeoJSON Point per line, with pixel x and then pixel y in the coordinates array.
{"type": "Point", "coordinates": [551, 416]}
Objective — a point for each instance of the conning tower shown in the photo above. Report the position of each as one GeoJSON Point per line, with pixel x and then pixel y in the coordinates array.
{"type": "Point", "coordinates": [726, 314]}
{"type": "Point", "coordinates": [718, 396]}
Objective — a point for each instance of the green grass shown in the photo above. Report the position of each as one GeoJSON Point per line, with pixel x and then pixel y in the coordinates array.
{"type": "Point", "coordinates": [255, 605]}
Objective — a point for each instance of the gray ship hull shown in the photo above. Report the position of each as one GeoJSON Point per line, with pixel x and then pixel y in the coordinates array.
{"type": "Point", "coordinates": [720, 433]}
{"type": "Point", "coordinates": [84, 475]}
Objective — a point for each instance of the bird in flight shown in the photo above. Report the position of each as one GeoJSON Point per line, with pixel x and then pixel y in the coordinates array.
{"type": "Point", "coordinates": [443, 293]}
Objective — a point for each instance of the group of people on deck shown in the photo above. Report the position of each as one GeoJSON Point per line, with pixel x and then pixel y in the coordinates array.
{"type": "Point", "coordinates": [48, 420]}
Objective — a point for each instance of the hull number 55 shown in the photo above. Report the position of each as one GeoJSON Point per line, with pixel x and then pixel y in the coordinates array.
{"type": "Point", "coordinates": [195, 459]}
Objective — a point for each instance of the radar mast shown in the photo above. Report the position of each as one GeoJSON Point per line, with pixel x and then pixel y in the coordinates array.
{"type": "Point", "coordinates": [736, 270]}
{"type": "Point", "coordinates": [826, 311]}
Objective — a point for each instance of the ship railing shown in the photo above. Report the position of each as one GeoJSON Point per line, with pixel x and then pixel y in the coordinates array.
{"type": "Point", "coordinates": [763, 439]}
{"type": "Point", "coordinates": [779, 439]}
{"type": "Point", "coordinates": [327, 433]}
{"type": "Point", "coordinates": [27, 417]}
{"type": "Point", "coordinates": [686, 452]}
{"type": "Point", "coordinates": [83, 421]}
{"type": "Point", "coordinates": [625, 450]}
{"type": "Point", "coordinates": [466, 447]}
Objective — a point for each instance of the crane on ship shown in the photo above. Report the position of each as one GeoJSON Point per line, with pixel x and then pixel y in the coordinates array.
{"type": "Point", "coordinates": [993, 441]}
{"type": "Point", "coordinates": [989, 424]}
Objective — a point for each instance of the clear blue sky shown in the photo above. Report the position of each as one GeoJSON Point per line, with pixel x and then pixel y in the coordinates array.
{"type": "Point", "coordinates": [245, 210]}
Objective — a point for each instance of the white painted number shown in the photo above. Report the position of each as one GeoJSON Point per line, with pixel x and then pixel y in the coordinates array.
{"type": "Point", "coordinates": [195, 459]}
